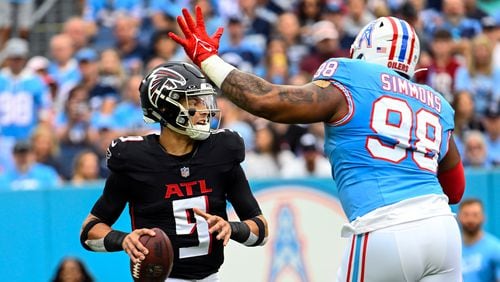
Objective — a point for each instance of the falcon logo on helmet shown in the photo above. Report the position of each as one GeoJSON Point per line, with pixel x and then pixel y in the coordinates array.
{"type": "Point", "coordinates": [164, 79]}
{"type": "Point", "coordinates": [391, 42]}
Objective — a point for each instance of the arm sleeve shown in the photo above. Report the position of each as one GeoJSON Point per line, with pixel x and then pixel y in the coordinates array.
{"type": "Point", "coordinates": [241, 196]}
{"type": "Point", "coordinates": [453, 183]}
{"type": "Point", "coordinates": [113, 199]}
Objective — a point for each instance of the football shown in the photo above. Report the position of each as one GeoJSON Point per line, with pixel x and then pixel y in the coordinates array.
{"type": "Point", "coordinates": [158, 263]}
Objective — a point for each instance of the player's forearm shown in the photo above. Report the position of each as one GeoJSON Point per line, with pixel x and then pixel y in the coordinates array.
{"type": "Point", "coordinates": [248, 92]}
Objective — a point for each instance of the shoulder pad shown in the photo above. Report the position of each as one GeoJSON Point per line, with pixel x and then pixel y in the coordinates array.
{"type": "Point", "coordinates": [122, 151]}
{"type": "Point", "coordinates": [229, 145]}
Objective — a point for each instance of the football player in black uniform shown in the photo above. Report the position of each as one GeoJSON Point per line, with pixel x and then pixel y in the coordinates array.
{"type": "Point", "coordinates": [179, 181]}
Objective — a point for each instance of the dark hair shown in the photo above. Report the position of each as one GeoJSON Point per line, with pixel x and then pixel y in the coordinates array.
{"type": "Point", "coordinates": [470, 201]}
{"type": "Point", "coordinates": [442, 34]}
{"type": "Point", "coordinates": [85, 274]}
{"type": "Point", "coordinates": [159, 34]}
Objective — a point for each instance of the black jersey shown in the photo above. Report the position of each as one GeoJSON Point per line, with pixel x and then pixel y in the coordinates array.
{"type": "Point", "coordinates": [162, 191]}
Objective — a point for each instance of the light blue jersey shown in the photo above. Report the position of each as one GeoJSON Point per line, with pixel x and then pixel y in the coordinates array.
{"type": "Point", "coordinates": [387, 147]}
{"type": "Point", "coordinates": [481, 260]}
{"type": "Point", "coordinates": [38, 176]}
{"type": "Point", "coordinates": [22, 99]}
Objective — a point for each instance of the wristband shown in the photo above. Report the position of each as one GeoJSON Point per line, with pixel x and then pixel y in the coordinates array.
{"type": "Point", "coordinates": [239, 231]}
{"type": "Point", "coordinates": [216, 69]}
{"type": "Point", "coordinates": [113, 241]}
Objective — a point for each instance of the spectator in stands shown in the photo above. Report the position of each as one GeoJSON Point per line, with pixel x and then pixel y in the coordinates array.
{"type": "Point", "coordinates": [25, 98]}
{"type": "Point", "coordinates": [491, 28]}
{"type": "Point", "coordinates": [288, 28]}
{"type": "Point", "coordinates": [309, 12]}
{"type": "Point", "coordinates": [480, 77]}
{"type": "Point", "coordinates": [72, 269]}
{"type": "Point", "coordinates": [63, 68]}
{"type": "Point", "coordinates": [441, 72]}
{"type": "Point", "coordinates": [101, 17]}
{"type": "Point", "coordinates": [465, 119]}
{"type": "Point", "coordinates": [310, 162]}
{"type": "Point", "coordinates": [75, 129]}
{"type": "Point", "coordinates": [131, 51]}
{"type": "Point", "coordinates": [103, 90]}
{"type": "Point", "coordinates": [22, 20]}
{"type": "Point", "coordinates": [128, 112]}
{"type": "Point", "coordinates": [212, 20]}
{"type": "Point", "coordinates": [161, 15]}
{"type": "Point", "coordinates": [480, 249]}
{"type": "Point", "coordinates": [85, 168]}
{"type": "Point", "coordinates": [356, 18]}
{"type": "Point", "coordinates": [326, 45]}
{"type": "Point", "coordinates": [164, 47]}
{"type": "Point", "coordinates": [453, 18]}
{"type": "Point", "coordinates": [79, 31]}
{"type": "Point", "coordinates": [257, 27]}
{"type": "Point", "coordinates": [112, 72]}
{"type": "Point", "coordinates": [40, 66]}
{"type": "Point", "coordinates": [475, 150]}
{"type": "Point", "coordinates": [491, 124]}
{"type": "Point", "coordinates": [275, 65]}
{"type": "Point", "coordinates": [232, 118]}
{"type": "Point", "coordinates": [267, 159]}
{"type": "Point", "coordinates": [239, 44]}
{"type": "Point", "coordinates": [46, 146]}
{"type": "Point", "coordinates": [27, 174]}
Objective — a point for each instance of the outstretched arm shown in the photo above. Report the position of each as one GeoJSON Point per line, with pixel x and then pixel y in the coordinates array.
{"type": "Point", "coordinates": [313, 102]}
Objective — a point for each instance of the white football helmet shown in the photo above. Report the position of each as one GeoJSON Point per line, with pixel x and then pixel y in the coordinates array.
{"type": "Point", "coordinates": [388, 41]}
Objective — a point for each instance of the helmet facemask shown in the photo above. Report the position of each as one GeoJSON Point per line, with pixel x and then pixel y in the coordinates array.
{"type": "Point", "coordinates": [197, 113]}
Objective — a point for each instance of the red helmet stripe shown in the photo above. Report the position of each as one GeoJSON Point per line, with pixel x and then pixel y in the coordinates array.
{"type": "Point", "coordinates": [413, 35]}
{"type": "Point", "coordinates": [394, 38]}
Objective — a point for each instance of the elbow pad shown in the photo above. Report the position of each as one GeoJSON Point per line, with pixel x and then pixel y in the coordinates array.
{"type": "Point", "coordinates": [453, 183]}
{"type": "Point", "coordinates": [85, 234]}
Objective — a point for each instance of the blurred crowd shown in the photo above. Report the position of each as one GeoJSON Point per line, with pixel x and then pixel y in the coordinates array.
{"type": "Point", "coordinates": [60, 110]}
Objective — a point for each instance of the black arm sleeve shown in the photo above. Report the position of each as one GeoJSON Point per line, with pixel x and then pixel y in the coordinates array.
{"type": "Point", "coordinates": [240, 195]}
{"type": "Point", "coordinates": [113, 199]}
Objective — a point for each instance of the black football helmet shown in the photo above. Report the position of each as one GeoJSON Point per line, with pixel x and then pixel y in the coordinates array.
{"type": "Point", "coordinates": [173, 93]}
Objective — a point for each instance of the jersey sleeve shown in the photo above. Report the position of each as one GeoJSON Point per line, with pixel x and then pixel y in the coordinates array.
{"type": "Point", "coordinates": [230, 146]}
{"type": "Point", "coordinates": [240, 195]}
{"type": "Point", "coordinates": [113, 199]}
{"type": "Point", "coordinates": [123, 154]}
{"type": "Point", "coordinates": [337, 69]}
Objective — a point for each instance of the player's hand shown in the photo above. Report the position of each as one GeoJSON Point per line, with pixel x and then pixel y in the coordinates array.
{"type": "Point", "coordinates": [197, 43]}
{"type": "Point", "coordinates": [216, 224]}
{"type": "Point", "coordinates": [133, 247]}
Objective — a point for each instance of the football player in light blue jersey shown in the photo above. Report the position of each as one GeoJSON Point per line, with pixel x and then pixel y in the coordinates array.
{"type": "Point", "coordinates": [388, 140]}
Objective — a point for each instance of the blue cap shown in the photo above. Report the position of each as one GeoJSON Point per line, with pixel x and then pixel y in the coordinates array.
{"type": "Point", "coordinates": [86, 54]}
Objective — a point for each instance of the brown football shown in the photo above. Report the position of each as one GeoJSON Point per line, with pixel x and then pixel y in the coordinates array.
{"type": "Point", "coordinates": [158, 263]}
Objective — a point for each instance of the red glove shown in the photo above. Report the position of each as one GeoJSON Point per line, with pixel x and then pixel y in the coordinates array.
{"type": "Point", "coordinates": [197, 44]}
